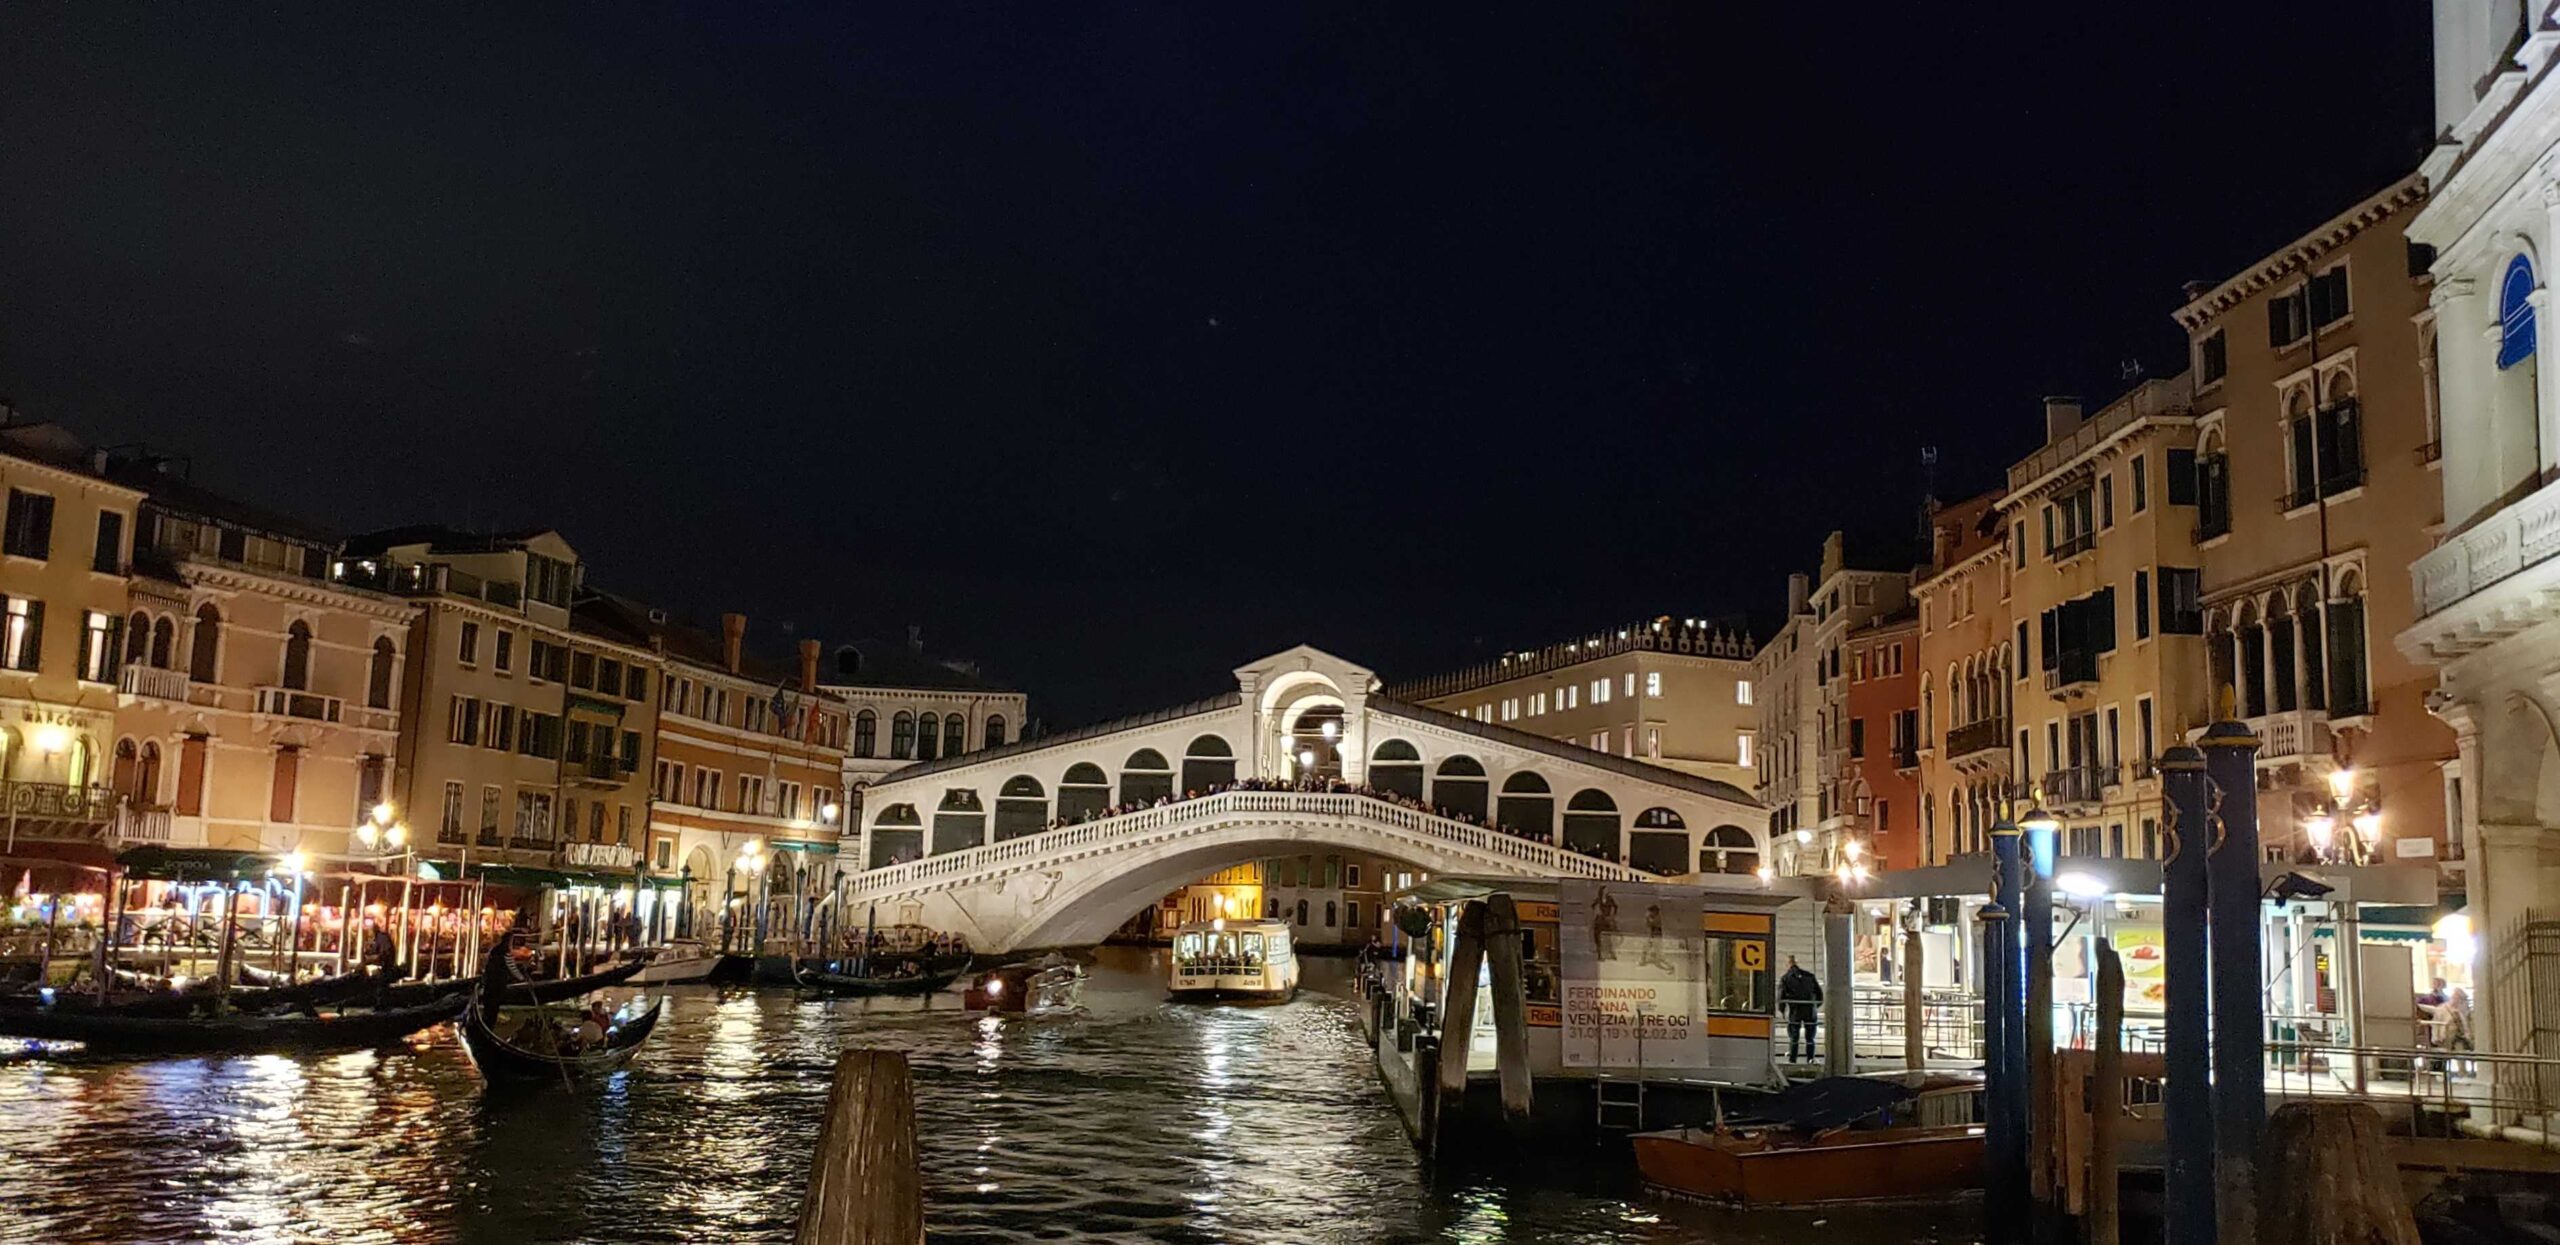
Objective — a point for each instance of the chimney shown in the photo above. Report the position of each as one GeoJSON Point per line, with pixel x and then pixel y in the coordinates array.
{"type": "Point", "coordinates": [1798, 588]}
{"type": "Point", "coordinates": [733, 640]}
{"type": "Point", "coordinates": [808, 665]}
{"type": "Point", "coordinates": [2061, 417]}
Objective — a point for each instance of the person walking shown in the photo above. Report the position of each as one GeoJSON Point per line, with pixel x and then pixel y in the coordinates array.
{"type": "Point", "coordinates": [1800, 997]}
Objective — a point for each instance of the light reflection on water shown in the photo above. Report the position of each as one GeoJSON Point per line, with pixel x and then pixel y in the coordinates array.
{"type": "Point", "coordinates": [1142, 1121]}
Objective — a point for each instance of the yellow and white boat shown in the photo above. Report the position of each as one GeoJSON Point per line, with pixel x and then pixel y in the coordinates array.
{"type": "Point", "coordinates": [1224, 959]}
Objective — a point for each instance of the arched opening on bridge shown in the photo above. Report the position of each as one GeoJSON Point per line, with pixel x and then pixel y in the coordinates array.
{"type": "Point", "coordinates": [701, 878]}
{"type": "Point", "coordinates": [1460, 787]}
{"type": "Point", "coordinates": [1208, 764]}
{"type": "Point", "coordinates": [960, 823]}
{"type": "Point", "coordinates": [1528, 806]}
{"type": "Point", "coordinates": [1315, 741]}
{"type": "Point", "coordinates": [1591, 825]}
{"type": "Point", "coordinates": [1021, 808]}
{"type": "Point", "coordinates": [1145, 778]}
{"type": "Point", "coordinates": [1728, 849]}
{"type": "Point", "coordinates": [1396, 766]}
{"type": "Point", "coordinates": [1083, 792]}
{"type": "Point", "coordinates": [1658, 842]}
{"type": "Point", "coordinates": [897, 836]}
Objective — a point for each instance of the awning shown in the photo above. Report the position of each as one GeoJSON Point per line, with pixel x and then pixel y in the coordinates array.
{"type": "Point", "coordinates": [812, 847]}
{"type": "Point", "coordinates": [520, 877]}
{"type": "Point", "coordinates": [196, 864]}
{"type": "Point", "coordinates": [43, 868]}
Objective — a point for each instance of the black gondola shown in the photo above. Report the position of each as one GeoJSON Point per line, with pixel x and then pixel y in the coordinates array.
{"type": "Point", "coordinates": [499, 1059]}
{"type": "Point", "coordinates": [111, 1034]}
{"type": "Point", "coordinates": [174, 1004]}
{"type": "Point", "coordinates": [515, 993]}
{"type": "Point", "coordinates": [825, 980]}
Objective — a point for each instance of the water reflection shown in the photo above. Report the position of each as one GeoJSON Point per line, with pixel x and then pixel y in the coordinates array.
{"type": "Point", "coordinates": [1141, 1121]}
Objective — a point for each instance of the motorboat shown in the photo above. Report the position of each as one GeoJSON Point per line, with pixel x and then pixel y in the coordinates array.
{"type": "Point", "coordinates": [1051, 986]}
{"type": "Point", "coordinates": [678, 963]}
{"type": "Point", "coordinates": [1833, 1140]}
{"type": "Point", "coordinates": [1224, 959]}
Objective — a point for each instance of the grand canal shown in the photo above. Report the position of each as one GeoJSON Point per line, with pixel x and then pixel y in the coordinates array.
{"type": "Point", "coordinates": [1144, 1121]}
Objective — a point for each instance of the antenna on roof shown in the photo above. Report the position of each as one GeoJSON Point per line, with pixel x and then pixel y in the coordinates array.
{"type": "Point", "coordinates": [2130, 370]}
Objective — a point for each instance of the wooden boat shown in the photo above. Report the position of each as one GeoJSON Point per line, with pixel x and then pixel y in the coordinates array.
{"type": "Point", "coordinates": [515, 993]}
{"type": "Point", "coordinates": [828, 979]}
{"type": "Point", "coordinates": [501, 1060]}
{"type": "Point", "coordinates": [1233, 960]}
{"type": "Point", "coordinates": [111, 1034]}
{"type": "Point", "coordinates": [1832, 1140]}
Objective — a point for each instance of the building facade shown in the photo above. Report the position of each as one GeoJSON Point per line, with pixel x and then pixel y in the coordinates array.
{"type": "Point", "coordinates": [2106, 613]}
{"type": "Point", "coordinates": [259, 701]}
{"type": "Point", "coordinates": [2318, 466]}
{"type": "Point", "coordinates": [1880, 777]}
{"type": "Point", "coordinates": [1803, 702]}
{"type": "Point", "coordinates": [1966, 689]}
{"type": "Point", "coordinates": [1670, 692]}
{"type": "Point", "coordinates": [2488, 598]}
{"type": "Point", "coordinates": [905, 708]}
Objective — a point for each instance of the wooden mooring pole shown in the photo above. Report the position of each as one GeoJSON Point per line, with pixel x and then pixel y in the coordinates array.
{"type": "Point", "coordinates": [864, 1185]}
{"type": "Point", "coordinates": [1458, 1004]}
{"type": "Point", "coordinates": [1510, 1004]}
{"type": "Point", "coordinates": [2106, 1098]}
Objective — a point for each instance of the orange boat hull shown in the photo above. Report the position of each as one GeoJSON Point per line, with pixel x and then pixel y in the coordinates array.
{"type": "Point", "coordinates": [1900, 1164]}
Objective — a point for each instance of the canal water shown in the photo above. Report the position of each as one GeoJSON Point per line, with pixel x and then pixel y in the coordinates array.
{"type": "Point", "coordinates": [1144, 1121]}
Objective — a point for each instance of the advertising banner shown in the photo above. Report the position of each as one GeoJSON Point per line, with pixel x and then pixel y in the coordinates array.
{"type": "Point", "coordinates": [1634, 970]}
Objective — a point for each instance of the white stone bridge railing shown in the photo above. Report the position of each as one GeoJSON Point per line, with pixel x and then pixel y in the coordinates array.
{"type": "Point", "coordinates": [1387, 823]}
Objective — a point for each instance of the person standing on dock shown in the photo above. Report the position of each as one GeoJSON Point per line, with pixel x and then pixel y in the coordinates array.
{"type": "Point", "coordinates": [1800, 997]}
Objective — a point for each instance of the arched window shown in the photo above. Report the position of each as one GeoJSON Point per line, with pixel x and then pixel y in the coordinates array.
{"type": "Point", "coordinates": [2252, 660]}
{"type": "Point", "coordinates": [205, 650]}
{"type": "Point", "coordinates": [1657, 841]}
{"type": "Point", "coordinates": [1207, 764]}
{"type": "Point", "coordinates": [2341, 436]}
{"type": "Point", "coordinates": [1021, 808]}
{"type": "Point", "coordinates": [1302, 912]}
{"type": "Point", "coordinates": [2515, 313]}
{"type": "Point", "coordinates": [928, 736]}
{"type": "Point", "coordinates": [147, 783]}
{"type": "Point", "coordinates": [137, 638]}
{"type": "Point", "coordinates": [866, 733]}
{"type": "Point", "coordinates": [2349, 688]}
{"type": "Point", "coordinates": [164, 640]}
{"type": "Point", "coordinates": [377, 682]}
{"type": "Point", "coordinates": [995, 730]}
{"type": "Point", "coordinates": [1591, 824]}
{"type": "Point", "coordinates": [1527, 806]}
{"type": "Point", "coordinates": [297, 656]}
{"type": "Point", "coordinates": [2281, 686]}
{"type": "Point", "coordinates": [955, 735]}
{"type": "Point", "coordinates": [125, 777]}
{"type": "Point", "coordinates": [2315, 645]}
{"type": "Point", "coordinates": [1145, 777]}
{"type": "Point", "coordinates": [902, 736]}
{"type": "Point", "coordinates": [959, 822]}
{"type": "Point", "coordinates": [1396, 766]}
{"type": "Point", "coordinates": [2302, 447]}
{"type": "Point", "coordinates": [1330, 913]}
{"type": "Point", "coordinates": [897, 835]}
{"type": "Point", "coordinates": [1271, 908]}
{"type": "Point", "coordinates": [1459, 787]}
{"type": "Point", "coordinates": [2213, 487]}
{"type": "Point", "coordinates": [1083, 792]}
{"type": "Point", "coordinates": [1728, 849]}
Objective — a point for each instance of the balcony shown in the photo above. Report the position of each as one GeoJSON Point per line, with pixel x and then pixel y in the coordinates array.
{"type": "Point", "coordinates": [287, 702]}
{"type": "Point", "coordinates": [596, 772]}
{"type": "Point", "coordinates": [2505, 545]}
{"type": "Point", "coordinates": [1906, 757]}
{"type": "Point", "coordinates": [153, 683]}
{"type": "Point", "coordinates": [429, 580]}
{"type": "Point", "coordinates": [2291, 735]}
{"type": "Point", "coordinates": [2070, 547]}
{"type": "Point", "coordinates": [1967, 745]}
{"type": "Point", "coordinates": [138, 823]}
{"type": "Point", "coordinates": [2071, 670]}
{"type": "Point", "coordinates": [56, 810]}
{"type": "Point", "coordinates": [608, 856]}
{"type": "Point", "coordinates": [2082, 784]}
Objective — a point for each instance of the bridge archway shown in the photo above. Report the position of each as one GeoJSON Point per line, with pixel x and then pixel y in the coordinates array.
{"type": "Point", "coordinates": [1461, 787]}
{"type": "Point", "coordinates": [1528, 805]}
{"type": "Point", "coordinates": [1145, 777]}
{"type": "Point", "coordinates": [1396, 766]}
{"type": "Point", "coordinates": [897, 835]}
{"type": "Point", "coordinates": [1021, 808]}
{"type": "Point", "coordinates": [1083, 792]}
{"type": "Point", "coordinates": [1208, 763]}
{"type": "Point", "coordinates": [1591, 824]}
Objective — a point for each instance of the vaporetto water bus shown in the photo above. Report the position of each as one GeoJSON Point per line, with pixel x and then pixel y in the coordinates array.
{"type": "Point", "coordinates": [1224, 959]}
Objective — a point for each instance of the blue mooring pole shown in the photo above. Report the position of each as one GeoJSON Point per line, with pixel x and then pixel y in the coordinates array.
{"type": "Point", "coordinates": [2005, 1079]}
{"type": "Point", "coordinates": [2187, 1099]}
{"type": "Point", "coordinates": [2239, 999]}
{"type": "Point", "coordinates": [2035, 1056]}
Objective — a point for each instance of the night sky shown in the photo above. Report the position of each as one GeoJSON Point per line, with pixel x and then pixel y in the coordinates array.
{"type": "Point", "coordinates": [1117, 345]}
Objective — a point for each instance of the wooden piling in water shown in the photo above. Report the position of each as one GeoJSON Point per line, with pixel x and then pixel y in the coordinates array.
{"type": "Point", "coordinates": [1458, 1001]}
{"type": "Point", "coordinates": [864, 1186]}
{"type": "Point", "coordinates": [1915, 1016]}
{"type": "Point", "coordinates": [1510, 1004]}
{"type": "Point", "coordinates": [2106, 1099]}
{"type": "Point", "coordinates": [2330, 1179]}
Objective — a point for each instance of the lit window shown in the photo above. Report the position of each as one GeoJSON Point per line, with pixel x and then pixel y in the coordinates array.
{"type": "Point", "coordinates": [1742, 750]}
{"type": "Point", "coordinates": [1631, 683]}
{"type": "Point", "coordinates": [1652, 682]}
{"type": "Point", "coordinates": [1600, 742]}
{"type": "Point", "coordinates": [1742, 691]}
{"type": "Point", "coordinates": [1537, 704]}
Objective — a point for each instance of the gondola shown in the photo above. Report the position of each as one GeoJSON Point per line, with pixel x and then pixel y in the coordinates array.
{"type": "Point", "coordinates": [501, 1060]}
{"type": "Point", "coordinates": [174, 1004]}
{"type": "Point", "coordinates": [515, 993]}
{"type": "Point", "coordinates": [825, 981]}
{"type": "Point", "coordinates": [109, 1034]}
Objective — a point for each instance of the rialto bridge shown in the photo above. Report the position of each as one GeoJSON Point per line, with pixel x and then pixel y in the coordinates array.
{"type": "Point", "coordinates": [1056, 841]}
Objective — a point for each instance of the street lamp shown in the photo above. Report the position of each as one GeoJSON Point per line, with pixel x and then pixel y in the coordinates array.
{"type": "Point", "coordinates": [2348, 802]}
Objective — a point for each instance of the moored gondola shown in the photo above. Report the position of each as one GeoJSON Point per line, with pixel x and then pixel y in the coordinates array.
{"type": "Point", "coordinates": [111, 1034]}
{"type": "Point", "coordinates": [501, 1060]}
{"type": "Point", "coordinates": [514, 993]}
{"type": "Point", "coordinates": [825, 979]}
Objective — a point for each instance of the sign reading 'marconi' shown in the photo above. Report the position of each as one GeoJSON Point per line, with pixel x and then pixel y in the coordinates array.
{"type": "Point", "coordinates": [1635, 980]}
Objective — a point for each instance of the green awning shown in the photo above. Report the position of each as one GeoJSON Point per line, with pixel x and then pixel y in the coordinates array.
{"type": "Point", "coordinates": [522, 877]}
{"type": "Point", "coordinates": [804, 845]}
{"type": "Point", "coordinates": [196, 864]}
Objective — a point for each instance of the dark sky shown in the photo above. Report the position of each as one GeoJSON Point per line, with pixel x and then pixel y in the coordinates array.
{"type": "Point", "coordinates": [1115, 344]}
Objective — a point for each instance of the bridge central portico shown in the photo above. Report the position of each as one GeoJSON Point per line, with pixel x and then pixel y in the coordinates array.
{"type": "Point", "coordinates": [1056, 841]}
